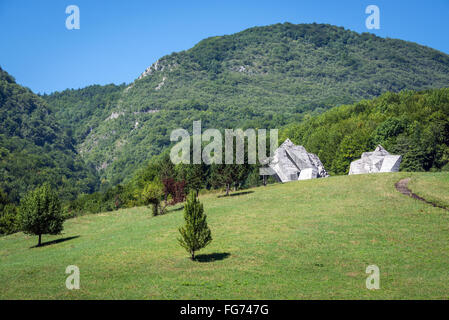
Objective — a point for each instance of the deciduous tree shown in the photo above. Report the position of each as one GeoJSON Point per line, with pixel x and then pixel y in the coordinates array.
{"type": "Point", "coordinates": [40, 212]}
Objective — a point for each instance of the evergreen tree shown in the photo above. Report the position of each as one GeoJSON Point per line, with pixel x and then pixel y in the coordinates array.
{"type": "Point", "coordinates": [194, 175]}
{"type": "Point", "coordinates": [40, 212]}
{"type": "Point", "coordinates": [195, 235]}
{"type": "Point", "coordinates": [223, 175]}
{"type": "Point", "coordinates": [166, 168]}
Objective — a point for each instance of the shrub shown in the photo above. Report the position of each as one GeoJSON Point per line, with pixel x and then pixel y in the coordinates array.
{"type": "Point", "coordinates": [8, 219]}
{"type": "Point", "coordinates": [152, 194]}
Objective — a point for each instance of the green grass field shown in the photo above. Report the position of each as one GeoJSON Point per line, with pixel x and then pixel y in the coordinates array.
{"type": "Point", "coordinates": [301, 240]}
{"type": "Point", "coordinates": [433, 187]}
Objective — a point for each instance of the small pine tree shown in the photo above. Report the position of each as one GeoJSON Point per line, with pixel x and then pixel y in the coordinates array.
{"type": "Point", "coordinates": [40, 213]}
{"type": "Point", "coordinates": [195, 235]}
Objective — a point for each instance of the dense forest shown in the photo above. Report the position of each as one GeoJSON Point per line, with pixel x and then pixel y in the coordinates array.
{"type": "Point", "coordinates": [34, 148]}
{"type": "Point", "coordinates": [79, 111]}
{"type": "Point", "coordinates": [412, 124]}
{"type": "Point", "coordinates": [263, 77]}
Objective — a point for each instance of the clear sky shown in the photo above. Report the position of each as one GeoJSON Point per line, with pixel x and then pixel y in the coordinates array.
{"type": "Point", "coordinates": [117, 40]}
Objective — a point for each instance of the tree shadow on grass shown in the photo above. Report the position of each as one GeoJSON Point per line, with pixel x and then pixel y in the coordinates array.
{"type": "Point", "coordinates": [235, 194]}
{"type": "Point", "coordinates": [43, 244]}
{"type": "Point", "coordinates": [211, 257]}
{"type": "Point", "coordinates": [174, 209]}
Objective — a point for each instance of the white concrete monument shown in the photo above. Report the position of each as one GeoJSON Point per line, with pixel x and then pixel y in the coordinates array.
{"type": "Point", "coordinates": [380, 160]}
{"type": "Point", "coordinates": [291, 162]}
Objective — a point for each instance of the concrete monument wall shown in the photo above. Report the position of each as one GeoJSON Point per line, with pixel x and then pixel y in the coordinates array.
{"type": "Point", "coordinates": [380, 160]}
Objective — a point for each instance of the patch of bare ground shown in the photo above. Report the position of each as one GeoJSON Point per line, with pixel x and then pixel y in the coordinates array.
{"type": "Point", "coordinates": [402, 187]}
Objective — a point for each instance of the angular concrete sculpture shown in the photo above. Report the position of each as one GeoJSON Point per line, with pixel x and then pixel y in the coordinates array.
{"type": "Point", "coordinates": [380, 160]}
{"type": "Point", "coordinates": [291, 162]}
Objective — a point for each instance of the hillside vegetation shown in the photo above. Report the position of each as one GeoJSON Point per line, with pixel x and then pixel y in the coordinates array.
{"type": "Point", "coordinates": [412, 124]}
{"type": "Point", "coordinates": [301, 240]}
{"type": "Point", "coordinates": [80, 111]}
{"type": "Point", "coordinates": [263, 77]}
{"type": "Point", "coordinates": [113, 138]}
{"type": "Point", "coordinates": [34, 148]}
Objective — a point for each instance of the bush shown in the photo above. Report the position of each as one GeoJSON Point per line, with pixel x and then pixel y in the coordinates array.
{"type": "Point", "coordinates": [40, 213]}
{"type": "Point", "coordinates": [152, 194]}
{"type": "Point", "coordinates": [8, 219]}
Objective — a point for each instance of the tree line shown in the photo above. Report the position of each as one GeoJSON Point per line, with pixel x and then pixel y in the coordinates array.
{"type": "Point", "coordinates": [412, 124]}
{"type": "Point", "coordinates": [161, 183]}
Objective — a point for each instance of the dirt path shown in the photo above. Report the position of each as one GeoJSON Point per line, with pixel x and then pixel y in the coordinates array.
{"type": "Point", "coordinates": [402, 187]}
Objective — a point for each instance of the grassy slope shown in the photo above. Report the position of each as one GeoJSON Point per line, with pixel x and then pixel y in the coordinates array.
{"type": "Point", "coordinates": [308, 239]}
{"type": "Point", "coordinates": [433, 187]}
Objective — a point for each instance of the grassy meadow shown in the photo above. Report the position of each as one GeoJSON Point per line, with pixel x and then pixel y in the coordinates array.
{"type": "Point", "coordinates": [301, 240]}
{"type": "Point", "coordinates": [433, 187]}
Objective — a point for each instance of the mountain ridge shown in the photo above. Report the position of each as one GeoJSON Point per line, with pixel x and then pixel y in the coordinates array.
{"type": "Point", "coordinates": [261, 77]}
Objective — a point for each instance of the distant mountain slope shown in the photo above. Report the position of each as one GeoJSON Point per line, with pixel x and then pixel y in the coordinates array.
{"type": "Point", "coordinates": [34, 148]}
{"type": "Point", "coordinates": [261, 77]}
{"type": "Point", "coordinates": [82, 110]}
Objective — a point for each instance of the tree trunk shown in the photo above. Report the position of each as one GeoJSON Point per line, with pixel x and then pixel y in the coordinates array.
{"type": "Point", "coordinates": [227, 189]}
{"type": "Point", "coordinates": [39, 243]}
{"type": "Point", "coordinates": [197, 191]}
{"type": "Point", "coordinates": [155, 208]}
{"type": "Point", "coordinates": [163, 208]}
{"type": "Point", "coordinates": [193, 255]}
{"type": "Point", "coordinates": [264, 181]}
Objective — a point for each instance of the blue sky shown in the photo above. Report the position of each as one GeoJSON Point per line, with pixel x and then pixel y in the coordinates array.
{"type": "Point", "coordinates": [119, 39]}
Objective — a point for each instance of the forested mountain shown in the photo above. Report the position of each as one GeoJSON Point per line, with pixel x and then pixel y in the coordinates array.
{"type": "Point", "coordinates": [263, 77]}
{"type": "Point", "coordinates": [34, 148]}
{"type": "Point", "coordinates": [412, 124]}
{"type": "Point", "coordinates": [80, 111]}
